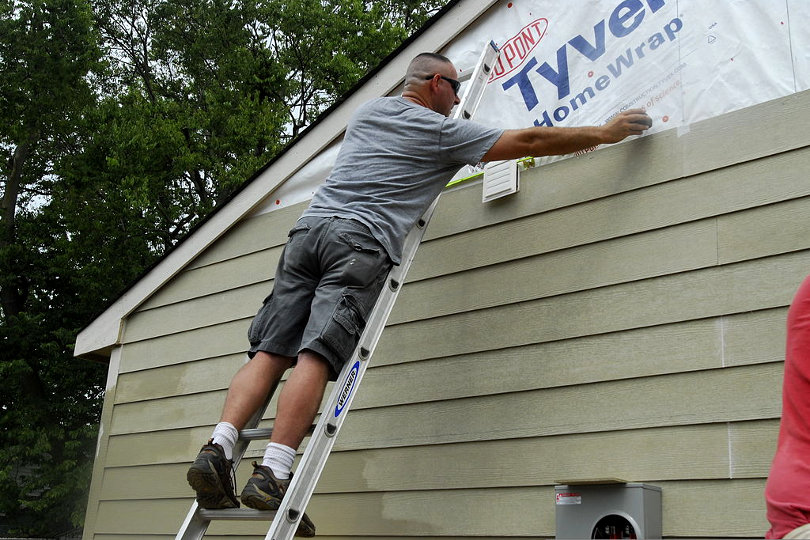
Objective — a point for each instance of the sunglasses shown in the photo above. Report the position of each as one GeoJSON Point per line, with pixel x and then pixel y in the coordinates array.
{"type": "Point", "coordinates": [454, 83]}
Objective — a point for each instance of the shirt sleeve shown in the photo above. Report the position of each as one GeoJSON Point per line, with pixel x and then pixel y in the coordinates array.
{"type": "Point", "coordinates": [466, 142]}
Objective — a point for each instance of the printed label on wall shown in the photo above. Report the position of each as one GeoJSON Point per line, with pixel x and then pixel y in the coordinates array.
{"type": "Point", "coordinates": [568, 498]}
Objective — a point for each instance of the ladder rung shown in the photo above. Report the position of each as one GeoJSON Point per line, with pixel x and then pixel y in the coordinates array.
{"type": "Point", "coordinates": [260, 434]}
{"type": "Point", "coordinates": [255, 434]}
{"type": "Point", "coordinates": [242, 514]}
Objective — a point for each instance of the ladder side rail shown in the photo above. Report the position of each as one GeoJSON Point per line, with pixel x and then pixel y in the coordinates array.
{"type": "Point", "coordinates": [478, 81]}
{"type": "Point", "coordinates": [337, 406]}
{"type": "Point", "coordinates": [320, 445]}
{"type": "Point", "coordinates": [314, 459]}
{"type": "Point", "coordinates": [194, 526]}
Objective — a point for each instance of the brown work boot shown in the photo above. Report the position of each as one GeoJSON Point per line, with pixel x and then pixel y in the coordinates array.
{"type": "Point", "coordinates": [264, 492]}
{"type": "Point", "coordinates": [211, 476]}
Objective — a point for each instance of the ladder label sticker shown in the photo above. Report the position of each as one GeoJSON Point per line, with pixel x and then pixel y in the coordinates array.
{"type": "Point", "coordinates": [569, 498]}
{"type": "Point", "coordinates": [348, 388]}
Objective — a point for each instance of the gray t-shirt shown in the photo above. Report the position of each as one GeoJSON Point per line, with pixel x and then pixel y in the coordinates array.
{"type": "Point", "coordinates": [396, 158]}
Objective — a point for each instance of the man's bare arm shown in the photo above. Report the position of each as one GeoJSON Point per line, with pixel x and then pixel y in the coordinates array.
{"type": "Point", "coordinates": [553, 141]}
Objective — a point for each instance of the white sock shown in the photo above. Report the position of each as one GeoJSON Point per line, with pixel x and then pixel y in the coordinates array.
{"type": "Point", "coordinates": [226, 435]}
{"type": "Point", "coordinates": [280, 459]}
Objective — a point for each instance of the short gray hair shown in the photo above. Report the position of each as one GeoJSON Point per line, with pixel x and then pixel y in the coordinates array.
{"type": "Point", "coordinates": [422, 66]}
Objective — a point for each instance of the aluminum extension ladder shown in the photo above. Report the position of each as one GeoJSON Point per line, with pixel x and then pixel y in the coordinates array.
{"type": "Point", "coordinates": [285, 520]}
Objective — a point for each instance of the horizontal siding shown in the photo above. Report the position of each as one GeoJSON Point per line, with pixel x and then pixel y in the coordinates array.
{"type": "Point", "coordinates": [748, 338]}
{"type": "Point", "coordinates": [780, 126]}
{"type": "Point", "coordinates": [209, 280]}
{"type": "Point", "coordinates": [768, 230]}
{"type": "Point", "coordinates": [622, 316]}
{"type": "Point", "coordinates": [704, 452]}
{"type": "Point", "coordinates": [201, 343]}
{"type": "Point", "coordinates": [761, 284]}
{"type": "Point", "coordinates": [755, 182]}
{"type": "Point", "coordinates": [768, 180]}
{"type": "Point", "coordinates": [178, 379]}
{"type": "Point", "coordinates": [694, 508]}
{"type": "Point", "coordinates": [721, 395]}
{"type": "Point", "coordinates": [251, 235]}
{"type": "Point", "coordinates": [670, 251]}
{"type": "Point", "coordinates": [711, 396]}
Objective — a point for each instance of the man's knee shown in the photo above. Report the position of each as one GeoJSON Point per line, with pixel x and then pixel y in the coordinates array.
{"type": "Point", "coordinates": [273, 361]}
{"type": "Point", "coordinates": [313, 360]}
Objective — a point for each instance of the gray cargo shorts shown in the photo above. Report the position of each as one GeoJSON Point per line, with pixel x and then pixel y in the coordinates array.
{"type": "Point", "coordinates": [328, 279]}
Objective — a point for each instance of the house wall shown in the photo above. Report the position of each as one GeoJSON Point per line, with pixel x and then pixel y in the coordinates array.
{"type": "Point", "coordinates": [620, 317]}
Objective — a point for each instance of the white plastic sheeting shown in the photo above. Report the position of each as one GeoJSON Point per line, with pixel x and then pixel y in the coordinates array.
{"type": "Point", "coordinates": [581, 62]}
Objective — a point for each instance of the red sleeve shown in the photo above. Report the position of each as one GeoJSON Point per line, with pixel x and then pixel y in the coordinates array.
{"type": "Point", "coordinates": [787, 494]}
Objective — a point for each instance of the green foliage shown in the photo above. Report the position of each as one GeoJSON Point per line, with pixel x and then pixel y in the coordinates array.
{"type": "Point", "coordinates": [122, 124]}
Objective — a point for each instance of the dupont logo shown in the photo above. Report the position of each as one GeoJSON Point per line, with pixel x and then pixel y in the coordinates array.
{"type": "Point", "coordinates": [515, 51]}
{"type": "Point", "coordinates": [348, 388]}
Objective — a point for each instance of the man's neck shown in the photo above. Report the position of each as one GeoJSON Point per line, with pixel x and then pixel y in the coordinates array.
{"type": "Point", "coordinates": [415, 98]}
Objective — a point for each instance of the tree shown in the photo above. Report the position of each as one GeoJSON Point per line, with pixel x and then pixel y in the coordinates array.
{"type": "Point", "coordinates": [122, 124]}
{"type": "Point", "coordinates": [47, 50]}
{"type": "Point", "coordinates": [212, 90]}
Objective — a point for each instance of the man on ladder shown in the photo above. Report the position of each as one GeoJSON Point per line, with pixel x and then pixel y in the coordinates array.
{"type": "Point", "coordinates": [397, 155]}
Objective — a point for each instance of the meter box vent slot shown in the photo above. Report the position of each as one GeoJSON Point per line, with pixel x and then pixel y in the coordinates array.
{"type": "Point", "coordinates": [625, 510]}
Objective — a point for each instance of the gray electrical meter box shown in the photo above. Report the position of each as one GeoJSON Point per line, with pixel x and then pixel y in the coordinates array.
{"type": "Point", "coordinates": [620, 510]}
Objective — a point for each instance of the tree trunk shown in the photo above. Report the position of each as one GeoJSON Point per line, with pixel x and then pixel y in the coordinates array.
{"type": "Point", "coordinates": [11, 295]}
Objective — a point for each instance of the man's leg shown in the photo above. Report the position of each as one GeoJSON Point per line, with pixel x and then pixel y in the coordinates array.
{"type": "Point", "coordinates": [300, 399]}
{"type": "Point", "coordinates": [298, 404]}
{"type": "Point", "coordinates": [211, 474]}
{"type": "Point", "coordinates": [250, 386]}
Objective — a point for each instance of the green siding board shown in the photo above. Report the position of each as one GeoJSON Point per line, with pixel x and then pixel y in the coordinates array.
{"type": "Point", "coordinates": [701, 452]}
{"type": "Point", "coordinates": [197, 344]}
{"type": "Point", "coordinates": [242, 301]}
{"type": "Point", "coordinates": [250, 235]}
{"type": "Point", "coordinates": [250, 272]}
{"type": "Point", "coordinates": [257, 267]}
{"type": "Point", "coordinates": [664, 156]}
{"type": "Point", "coordinates": [207, 311]}
{"type": "Point", "coordinates": [646, 255]}
{"type": "Point", "coordinates": [754, 337]}
{"type": "Point", "coordinates": [694, 508]}
{"type": "Point", "coordinates": [726, 290]}
{"type": "Point", "coordinates": [746, 338]}
{"type": "Point", "coordinates": [178, 379]}
{"type": "Point", "coordinates": [747, 185]}
{"type": "Point", "coordinates": [632, 258]}
{"type": "Point", "coordinates": [769, 230]}
{"type": "Point", "coordinates": [723, 395]}
{"type": "Point", "coordinates": [710, 396]}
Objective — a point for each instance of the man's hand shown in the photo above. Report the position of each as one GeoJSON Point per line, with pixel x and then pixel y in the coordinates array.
{"type": "Point", "coordinates": [624, 124]}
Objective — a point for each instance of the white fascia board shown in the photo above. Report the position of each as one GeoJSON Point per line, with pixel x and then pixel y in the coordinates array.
{"type": "Point", "coordinates": [105, 331]}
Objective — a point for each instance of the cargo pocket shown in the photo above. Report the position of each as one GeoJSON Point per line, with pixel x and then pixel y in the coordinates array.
{"type": "Point", "coordinates": [258, 325]}
{"type": "Point", "coordinates": [298, 227]}
{"type": "Point", "coordinates": [343, 330]}
{"type": "Point", "coordinates": [292, 252]}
